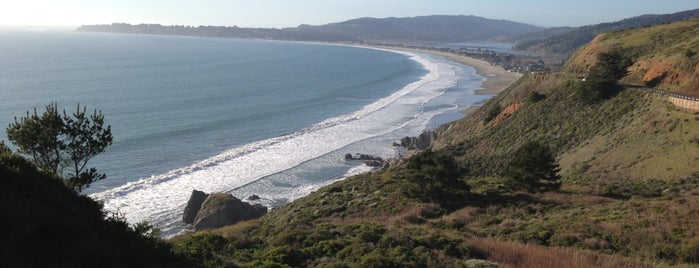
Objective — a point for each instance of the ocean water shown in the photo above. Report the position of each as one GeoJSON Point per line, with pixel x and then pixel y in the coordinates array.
{"type": "Point", "coordinates": [273, 119]}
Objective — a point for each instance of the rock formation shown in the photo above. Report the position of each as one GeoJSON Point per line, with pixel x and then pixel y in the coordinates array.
{"type": "Point", "coordinates": [420, 142]}
{"type": "Point", "coordinates": [208, 211]}
{"type": "Point", "coordinates": [369, 160]}
{"type": "Point", "coordinates": [193, 206]}
{"type": "Point", "coordinates": [221, 209]}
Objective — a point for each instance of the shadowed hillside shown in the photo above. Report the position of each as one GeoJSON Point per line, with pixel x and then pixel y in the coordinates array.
{"type": "Point", "coordinates": [46, 224]}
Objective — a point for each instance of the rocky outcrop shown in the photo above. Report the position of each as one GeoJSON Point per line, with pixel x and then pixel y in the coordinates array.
{"type": "Point", "coordinates": [218, 209]}
{"type": "Point", "coordinates": [193, 206]}
{"type": "Point", "coordinates": [221, 209]}
{"type": "Point", "coordinates": [421, 142]}
{"type": "Point", "coordinates": [369, 160]}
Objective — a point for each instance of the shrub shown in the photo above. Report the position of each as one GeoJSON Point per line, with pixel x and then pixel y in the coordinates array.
{"type": "Point", "coordinates": [434, 177]}
{"type": "Point", "coordinates": [601, 82]}
{"type": "Point", "coordinates": [492, 113]}
{"type": "Point", "coordinates": [534, 97]}
{"type": "Point", "coordinates": [533, 168]}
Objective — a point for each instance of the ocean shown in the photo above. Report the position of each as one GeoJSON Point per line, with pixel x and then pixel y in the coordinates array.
{"type": "Point", "coordinates": [249, 117]}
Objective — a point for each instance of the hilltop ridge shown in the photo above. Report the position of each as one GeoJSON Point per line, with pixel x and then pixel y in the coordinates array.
{"type": "Point", "coordinates": [564, 41]}
{"type": "Point", "coordinates": [416, 29]}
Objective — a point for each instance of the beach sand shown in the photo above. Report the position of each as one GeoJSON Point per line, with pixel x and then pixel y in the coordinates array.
{"type": "Point", "coordinates": [497, 78]}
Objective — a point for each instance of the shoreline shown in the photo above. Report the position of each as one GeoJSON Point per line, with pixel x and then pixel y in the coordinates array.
{"type": "Point", "coordinates": [496, 78]}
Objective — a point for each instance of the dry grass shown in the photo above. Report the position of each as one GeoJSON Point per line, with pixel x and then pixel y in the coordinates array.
{"type": "Point", "coordinates": [509, 254]}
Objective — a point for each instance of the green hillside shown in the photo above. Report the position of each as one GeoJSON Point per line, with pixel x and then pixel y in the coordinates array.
{"type": "Point", "coordinates": [664, 56]}
{"type": "Point", "coordinates": [629, 197]}
{"type": "Point", "coordinates": [565, 41]}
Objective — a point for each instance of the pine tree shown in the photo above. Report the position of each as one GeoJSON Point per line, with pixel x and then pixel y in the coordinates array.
{"type": "Point", "coordinates": [533, 168]}
{"type": "Point", "coordinates": [63, 144]}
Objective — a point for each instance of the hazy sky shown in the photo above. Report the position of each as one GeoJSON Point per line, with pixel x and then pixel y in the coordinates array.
{"type": "Point", "coordinates": [291, 13]}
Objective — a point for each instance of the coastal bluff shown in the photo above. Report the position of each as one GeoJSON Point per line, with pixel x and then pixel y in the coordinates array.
{"type": "Point", "coordinates": [209, 211]}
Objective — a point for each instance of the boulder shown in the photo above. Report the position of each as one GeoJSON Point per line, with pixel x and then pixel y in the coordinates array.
{"type": "Point", "coordinates": [221, 209]}
{"type": "Point", "coordinates": [193, 206]}
{"type": "Point", "coordinates": [421, 142]}
{"type": "Point", "coordinates": [369, 160]}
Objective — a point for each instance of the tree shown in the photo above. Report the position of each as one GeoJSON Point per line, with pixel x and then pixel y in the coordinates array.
{"type": "Point", "coordinates": [533, 168]}
{"type": "Point", "coordinates": [434, 177]}
{"type": "Point", "coordinates": [63, 145]}
{"type": "Point", "coordinates": [4, 149]}
{"type": "Point", "coordinates": [601, 82]}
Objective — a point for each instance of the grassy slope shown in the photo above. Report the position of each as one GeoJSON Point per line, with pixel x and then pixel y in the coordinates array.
{"type": "Point", "coordinates": [630, 190]}
{"type": "Point", "coordinates": [566, 41]}
{"type": "Point", "coordinates": [659, 52]}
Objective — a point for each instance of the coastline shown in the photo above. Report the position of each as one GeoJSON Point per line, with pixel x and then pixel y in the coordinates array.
{"type": "Point", "coordinates": [496, 78]}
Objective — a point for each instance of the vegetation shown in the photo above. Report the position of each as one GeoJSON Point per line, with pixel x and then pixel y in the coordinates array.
{"type": "Point", "coordinates": [63, 145]}
{"type": "Point", "coordinates": [46, 224]}
{"type": "Point", "coordinates": [493, 113]}
{"type": "Point", "coordinates": [601, 83]}
{"type": "Point", "coordinates": [433, 177]}
{"type": "Point", "coordinates": [567, 41]}
{"type": "Point", "coordinates": [535, 97]}
{"type": "Point", "coordinates": [533, 168]}
{"type": "Point", "coordinates": [659, 54]}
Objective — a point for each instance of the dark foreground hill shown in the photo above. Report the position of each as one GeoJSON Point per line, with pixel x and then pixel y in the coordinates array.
{"type": "Point", "coordinates": [629, 197]}
{"type": "Point", "coordinates": [46, 224]}
{"type": "Point", "coordinates": [417, 29]}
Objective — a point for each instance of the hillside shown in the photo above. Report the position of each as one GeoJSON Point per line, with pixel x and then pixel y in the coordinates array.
{"type": "Point", "coordinates": [664, 56]}
{"type": "Point", "coordinates": [417, 29]}
{"type": "Point", "coordinates": [629, 197]}
{"type": "Point", "coordinates": [46, 224]}
{"type": "Point", "coordinates": [565, 41]}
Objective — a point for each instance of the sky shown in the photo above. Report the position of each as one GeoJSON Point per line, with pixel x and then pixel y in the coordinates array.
{"type": "Point", "coordinates": [291, 13]}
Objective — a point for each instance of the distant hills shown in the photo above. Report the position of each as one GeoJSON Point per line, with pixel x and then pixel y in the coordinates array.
{"type": "Point", "coordinates": [427, 28]}
{"type": "Point", "coordinates": [565, 40]}
{"type": "Point", "coordinates": [561, 41]}
{"type": "Point", "coordinates": [417, 29]}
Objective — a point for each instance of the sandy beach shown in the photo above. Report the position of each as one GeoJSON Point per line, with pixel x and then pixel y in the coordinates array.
{"type": "Point", "coordinates": [497, 78]}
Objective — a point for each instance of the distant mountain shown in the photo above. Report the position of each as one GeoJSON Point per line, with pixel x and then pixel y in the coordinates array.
{"type": "Point", "coordinates": [427, 28]}
{"type": "Point", "coordinates": [565, 41]}
{"type": "Point", "coordinates": [417, 29]}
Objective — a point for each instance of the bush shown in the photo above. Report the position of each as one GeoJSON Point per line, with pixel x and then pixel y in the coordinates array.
{"type": "Point", "coordinates": [534, 97]}
{"type": "Point", "coordinates": [434, 177]}
{"type": "Point", "coordinates": [492, 113]}
{"type": "Point", "coordinates": [533, 168]}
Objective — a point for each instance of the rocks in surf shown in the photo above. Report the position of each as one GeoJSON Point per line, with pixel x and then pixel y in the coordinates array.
{"type": "Point", "coordinates": [369, 160]}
